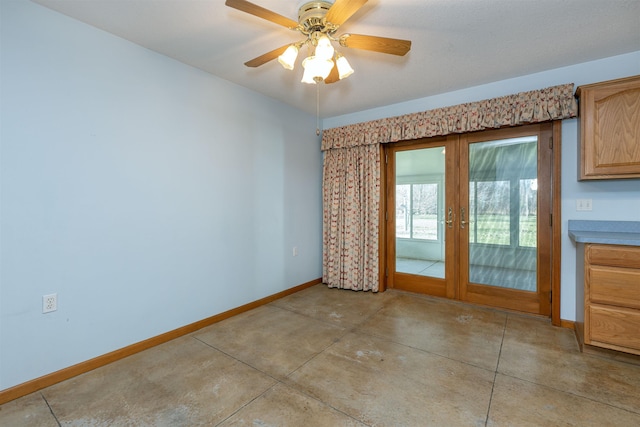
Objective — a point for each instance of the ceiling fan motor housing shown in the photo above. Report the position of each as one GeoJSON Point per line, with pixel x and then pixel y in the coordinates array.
{"type": "Point", "coordinates": [311, 17]}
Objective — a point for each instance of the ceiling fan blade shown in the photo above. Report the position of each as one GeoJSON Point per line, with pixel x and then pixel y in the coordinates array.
{"type": "Point", "coordinates": [263, 59]}
{"type": "Point", "coordinates": [261, 12]}
{"type": "Point", "coordinates": [376, 44]}
{"type": "Point", "coordinates": [333, 76]}
{"type": "Point", "coordinates": [342, 10]}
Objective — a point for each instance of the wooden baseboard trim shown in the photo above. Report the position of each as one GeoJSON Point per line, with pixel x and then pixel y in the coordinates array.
{"type": "Point", "coordinates": [29, 387]}
{"type": "Point", "coordinates": [569, 324]}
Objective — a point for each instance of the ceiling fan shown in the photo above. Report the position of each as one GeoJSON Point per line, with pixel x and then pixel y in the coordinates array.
{"type": "Point", "coordinates": [318, 22]}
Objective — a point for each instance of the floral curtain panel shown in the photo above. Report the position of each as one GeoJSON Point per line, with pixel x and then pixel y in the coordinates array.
{"type": "Point", "coordinates": [351, 200]}
{"type": "Point", "coordinates": [351, 183]}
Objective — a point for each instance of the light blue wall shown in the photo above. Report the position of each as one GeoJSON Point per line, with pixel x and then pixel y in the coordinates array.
{"type": "Point", "coordinates": [147, 194]}
{"type": "Point", "coordinates": [612, 200]}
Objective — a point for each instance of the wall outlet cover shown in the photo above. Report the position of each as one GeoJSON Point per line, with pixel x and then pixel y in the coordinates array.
{"type": "Point", "coordinates": [49, 303]}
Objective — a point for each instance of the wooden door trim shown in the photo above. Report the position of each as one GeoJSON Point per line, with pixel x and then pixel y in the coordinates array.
{"type": "Point", "coordinates": [513, 299]}
{"type": "Point", "coordinates": [390, 248]}
{"type": "Point", "coordinates": [417, 284]}
{"type": "Point", "coordinates": [452, 256]}
{"type": "Point", "coordinates": [382, 226]}
{"type": "Point", "coordinates": [545, 213]}
{"type": "Point", "coordinates": [556, 224]}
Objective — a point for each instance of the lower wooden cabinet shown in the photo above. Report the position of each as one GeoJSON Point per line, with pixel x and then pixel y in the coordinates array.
{"type": "Point", "coordinates": [614, 327]}
{"type": "Point", "coordinates": [612, 297]}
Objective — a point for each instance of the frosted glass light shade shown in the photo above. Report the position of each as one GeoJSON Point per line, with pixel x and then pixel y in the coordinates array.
{"type": "Point", "coordinates": [307, 76]}
{"type": "Point", "coordinates": [316, 68]}
{"type": "Point", "coordinates": [344, 68]}
{"type": "Point", "coordinates": [324, 50]}
{"type": "Point", "coordinates": [288, 57]}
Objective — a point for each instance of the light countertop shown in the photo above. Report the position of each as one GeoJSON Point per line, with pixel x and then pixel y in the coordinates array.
{"type": "Point", "coordinates": [605, 232]}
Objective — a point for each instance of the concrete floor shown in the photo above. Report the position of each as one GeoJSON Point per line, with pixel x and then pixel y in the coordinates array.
{"type": "Point", "coordinates": [328, 357]}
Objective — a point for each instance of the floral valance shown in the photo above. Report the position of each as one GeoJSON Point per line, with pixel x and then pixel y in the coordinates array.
{"type": "Point", "coordinates": [553, 103]}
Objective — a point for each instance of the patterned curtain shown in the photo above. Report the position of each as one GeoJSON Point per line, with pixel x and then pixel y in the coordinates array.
{"type": "Point", "coordinates": [553, 103]}
{"type": "Point", "coordinates": [351, 183]}
{"type": "Point", "coordinates": [351, 200]}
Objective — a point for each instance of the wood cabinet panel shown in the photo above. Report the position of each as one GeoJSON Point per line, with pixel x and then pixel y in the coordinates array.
{"type": "Point", "coordinates": [615, 327]}
{"type": "Point", "coordinates": [615, 256]}
{"type": "Point", "coordinates": [612, 297]}
{"type": "Point", "coordinates": [610, 129]}
{"type": "Point", "coordinates": [616, 286]}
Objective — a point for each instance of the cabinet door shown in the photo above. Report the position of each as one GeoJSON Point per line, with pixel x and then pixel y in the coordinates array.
{"type": "Point", "coordinates": [615, 328]}
{"type": "Point", "coordinates": [610, 129]}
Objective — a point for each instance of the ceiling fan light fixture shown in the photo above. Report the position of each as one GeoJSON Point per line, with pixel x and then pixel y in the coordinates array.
{"type": "Point", "coordinates": [344, 68]}
{"type": "Point", "coordinates": [324, 49]}
{"type": "Point", "coordinates": [319, 21]}
{"type": "Point", "coordinates": [288, 57]}
{"type": "Point", "coordinates": [316, 69]}
{"type": "Point", "coordinates": [307, 76]}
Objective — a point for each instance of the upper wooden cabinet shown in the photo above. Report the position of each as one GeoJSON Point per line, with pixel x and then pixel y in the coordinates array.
{"type": "Point", "coordinates": [610, 129]}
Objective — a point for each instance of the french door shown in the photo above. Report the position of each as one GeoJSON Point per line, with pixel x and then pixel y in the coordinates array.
{"type": "Point", "coordinates": [468, 217]}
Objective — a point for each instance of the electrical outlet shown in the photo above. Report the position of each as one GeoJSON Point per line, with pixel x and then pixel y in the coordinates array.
{"type": "Point", "coordinates": [49, 303]}
{"type": "Point", "coordinates": [295, 251]}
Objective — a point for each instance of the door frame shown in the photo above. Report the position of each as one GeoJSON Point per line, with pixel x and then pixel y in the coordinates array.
{"type": "Point", "coordinates": [387, 246]}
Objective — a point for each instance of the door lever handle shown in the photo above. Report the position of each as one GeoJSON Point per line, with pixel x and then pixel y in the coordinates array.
{"type": "Point", "coordinates": [449, 220]}
{"type": "Point", "coordinates": [462, 221]}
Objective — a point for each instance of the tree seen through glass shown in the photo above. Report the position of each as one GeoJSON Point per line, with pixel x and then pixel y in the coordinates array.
{"type": "Point", "coordinates": [417, 211]}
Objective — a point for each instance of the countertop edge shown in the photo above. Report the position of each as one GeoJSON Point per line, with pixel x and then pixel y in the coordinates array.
{"type": "Point", "coordinates": [605, 237]}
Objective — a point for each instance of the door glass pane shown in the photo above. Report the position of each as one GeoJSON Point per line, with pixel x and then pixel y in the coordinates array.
{"type": "Point", "coordinates": [503, 213]}
{"type": "Point", "coordinates": [492, 220]}
{"type": "Point", "coordinates": [403, 218]}
{"type": "Point", "coordinates": [420, 190]}
{"type": "Point", "coordinates": [528, 213]}
{"type": "Point", "coordinates": [425, 211]}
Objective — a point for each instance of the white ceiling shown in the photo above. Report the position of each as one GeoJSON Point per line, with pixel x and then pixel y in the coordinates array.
{"type": "Point", "coordinates": [456, 43]}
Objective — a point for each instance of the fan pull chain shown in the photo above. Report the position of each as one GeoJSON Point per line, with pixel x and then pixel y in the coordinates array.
{"type": "Point", "coordinates": [318, 108]}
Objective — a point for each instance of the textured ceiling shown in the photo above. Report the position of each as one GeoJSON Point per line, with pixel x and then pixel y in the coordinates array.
{"type": "Point", "coordinates": [456, 43]}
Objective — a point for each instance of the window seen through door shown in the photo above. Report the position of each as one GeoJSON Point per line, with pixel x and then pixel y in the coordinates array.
{"type": "Point", "coordinates": [417, 211]}
{"type": "Point", "coordinates": [503, 193]}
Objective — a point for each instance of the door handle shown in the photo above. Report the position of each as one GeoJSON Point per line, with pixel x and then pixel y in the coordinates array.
{"type": "Point", "coordinates": [449, 220]}
{"type": "Point", "coordinates": [462, 221]}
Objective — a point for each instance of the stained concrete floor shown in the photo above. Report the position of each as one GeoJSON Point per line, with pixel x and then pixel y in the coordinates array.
{"type": "Point", "coordinates": [328, 357]}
